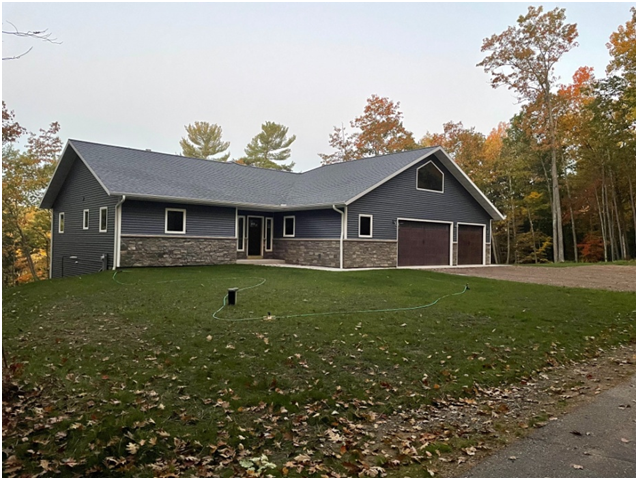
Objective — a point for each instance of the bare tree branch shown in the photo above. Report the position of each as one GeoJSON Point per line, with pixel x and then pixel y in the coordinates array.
{"type": "Point", "coordinates": [43, 35]}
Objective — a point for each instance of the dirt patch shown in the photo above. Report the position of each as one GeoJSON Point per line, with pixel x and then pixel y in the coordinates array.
{"type": "Point", "coordinates": [603, 277]}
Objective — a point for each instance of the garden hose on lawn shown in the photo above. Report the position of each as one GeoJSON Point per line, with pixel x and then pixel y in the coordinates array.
{"type": "Point", "coordinates": [301, 315]}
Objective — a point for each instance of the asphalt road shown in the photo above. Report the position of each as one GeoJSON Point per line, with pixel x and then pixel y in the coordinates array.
{"type": "Point", "coordinates": [596, 440]}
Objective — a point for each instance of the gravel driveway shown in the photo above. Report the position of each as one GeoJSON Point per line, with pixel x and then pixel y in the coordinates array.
{"type": "Point", "coordinates": [604, 277]}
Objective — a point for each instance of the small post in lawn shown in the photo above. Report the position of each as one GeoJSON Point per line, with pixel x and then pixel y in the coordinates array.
{"type": "Point", "coordinates": [232, 296]}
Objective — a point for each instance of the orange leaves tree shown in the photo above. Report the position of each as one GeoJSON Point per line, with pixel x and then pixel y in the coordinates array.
{"type": "Point", "coordinates": [380, 130]}
{"type": "Point", "coordinates": [523, 58]}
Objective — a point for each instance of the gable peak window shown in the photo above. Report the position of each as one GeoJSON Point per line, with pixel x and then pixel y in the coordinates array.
{"type": "Point", "coordinates": [175, 220]}
{"type": "Point", "coordinates": [429, 178]}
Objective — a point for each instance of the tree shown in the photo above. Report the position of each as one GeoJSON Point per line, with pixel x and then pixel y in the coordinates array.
{"type": "Point", "coordinates": [43, 35]}
{"type": "Point", "coordinates": [11, 130]}
{"type": "Point", "coordinates": [523, 58]}
{"type": "Point", "coordinates": [622, 48]}
{"type": "Point", "coordinates": [268, 147]}
{"type": "Point", "coordinates": [380, 131]}
{"type": "Point", "coordinates": [204, 140]}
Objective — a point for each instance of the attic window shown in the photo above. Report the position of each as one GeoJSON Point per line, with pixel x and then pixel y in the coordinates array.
{"type": "Point", "coordinates": [175, 221]}
{"type": "Point", "coordinates": [429, 178]}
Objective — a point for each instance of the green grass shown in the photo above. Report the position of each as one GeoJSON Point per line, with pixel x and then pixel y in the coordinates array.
{"type": "Point", "coordinates": [108, 356]}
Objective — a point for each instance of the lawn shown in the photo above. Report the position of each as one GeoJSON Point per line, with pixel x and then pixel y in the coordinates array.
{"type": "Point", "coordinates": [133, 376]}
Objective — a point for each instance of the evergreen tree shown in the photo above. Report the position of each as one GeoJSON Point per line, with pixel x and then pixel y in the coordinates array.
{"type": "Point", "coordinates": [268, 147]}
{"type": "Point", "coordinates": [204, 140]}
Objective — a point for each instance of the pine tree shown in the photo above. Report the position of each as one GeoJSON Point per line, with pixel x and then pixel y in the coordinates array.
{"type": "Point", "coordinates": [270, 146]}
{"type": "Point", "coordinates": [204, 140]}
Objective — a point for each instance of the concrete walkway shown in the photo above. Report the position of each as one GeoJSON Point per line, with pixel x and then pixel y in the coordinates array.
{"type": "Point", "coordinates": [596, 440]}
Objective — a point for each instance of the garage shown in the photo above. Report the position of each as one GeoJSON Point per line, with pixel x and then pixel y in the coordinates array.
{"type": "Point", "coordinates": [423, 243]}
{"type": "Point", "coordinates": [471, 244]}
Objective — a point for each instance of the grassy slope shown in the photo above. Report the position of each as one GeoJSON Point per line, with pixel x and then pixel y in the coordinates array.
{"type": "Point", "coordinates": [111, 354]}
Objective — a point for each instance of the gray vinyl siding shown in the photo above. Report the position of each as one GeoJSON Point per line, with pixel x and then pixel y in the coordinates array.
{"type": "Point", "coordinates": [81, 191]}
{"type": "Point", "coordinates": [325, 223]}
{"type": "Point", "coordinates": [399, 198]}
{"type": "Point", "coordinates": [148, 218]}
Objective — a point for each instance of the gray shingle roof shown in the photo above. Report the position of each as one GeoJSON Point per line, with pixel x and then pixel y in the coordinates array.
{"type": "Point", "coordinates": [146, 174]}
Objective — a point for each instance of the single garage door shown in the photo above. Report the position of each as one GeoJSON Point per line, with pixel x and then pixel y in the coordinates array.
{"type": "Point", "coordinates": [423, 243]}
{"type": "Point", "coordinates": [470, 243]}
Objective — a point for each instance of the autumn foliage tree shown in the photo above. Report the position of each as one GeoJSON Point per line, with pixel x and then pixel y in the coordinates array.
{"type": "Point", "coordinates": [523, 58]}
{"type": "Point", "coordinates": [379, 131]}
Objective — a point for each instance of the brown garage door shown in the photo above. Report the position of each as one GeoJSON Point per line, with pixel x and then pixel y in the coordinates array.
{"type": "Point", "coordinates": [470, 243]}
{"type": "Point", "coordinates": [423, 243]}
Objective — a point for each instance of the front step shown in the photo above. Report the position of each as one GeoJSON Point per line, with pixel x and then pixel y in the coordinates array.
{"type": "Point", "coordinates": [261, 261]}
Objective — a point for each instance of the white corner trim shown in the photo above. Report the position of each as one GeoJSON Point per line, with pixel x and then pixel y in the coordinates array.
{"type": "Point", "coordinates": [427, 189]}
{"type": "Point", "coordinates": [166, 230]}
{"type": "Point", "coordinates": [363, 215]}
{"type": "Point", "coordinates": [294, 226]}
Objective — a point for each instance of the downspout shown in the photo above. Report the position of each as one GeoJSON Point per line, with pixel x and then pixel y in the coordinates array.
{"type": "Point", "coordinates": [118, 231]}
{"type": "Point", "coordinates": [334, 207]}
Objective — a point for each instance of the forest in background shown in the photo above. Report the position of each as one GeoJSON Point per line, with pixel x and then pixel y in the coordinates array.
{"type": "Point", "coordinates": [562, 170]}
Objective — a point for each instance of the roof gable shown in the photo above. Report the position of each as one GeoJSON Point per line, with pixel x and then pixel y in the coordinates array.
{"type": "Point", "coordinates": [151, 175]}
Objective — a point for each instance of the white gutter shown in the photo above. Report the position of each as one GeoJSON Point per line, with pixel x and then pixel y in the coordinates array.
{"type": "Point", "coordinates": [118, 232]}
{"type": "Point", "coordinates": [334, 207]}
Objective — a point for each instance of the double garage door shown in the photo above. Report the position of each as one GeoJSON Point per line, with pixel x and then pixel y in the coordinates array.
{"type": "Point", "coordinates": [429, 243]}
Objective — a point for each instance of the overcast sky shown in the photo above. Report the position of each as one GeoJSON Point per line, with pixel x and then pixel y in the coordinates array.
{"type": "Point", "coordinates": [135, 74]}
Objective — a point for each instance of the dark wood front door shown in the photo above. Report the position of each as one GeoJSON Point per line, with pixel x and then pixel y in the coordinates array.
{"type": "Point", "coordinates": [255, 234]}
{"type": "Point", "coordinates": [423, 243]}
{"type": "Point", "coordinates": [470, 243]}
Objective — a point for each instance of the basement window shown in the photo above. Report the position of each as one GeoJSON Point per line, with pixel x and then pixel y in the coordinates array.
{"type": "Point", "coordinates": [175, 221]}
{"type": "Point", "coordinates": [289, 226]}
{"type": "Point", "coordinates": [85, 220]}
{"type": "Point", "coordinates": [365, 226]}
{"type": "Point", "coordinates": [104, 216]}
{"type": "Point", "coordinates": [429, 178]}
{"type": "Point", "coordinates": [61, 222]}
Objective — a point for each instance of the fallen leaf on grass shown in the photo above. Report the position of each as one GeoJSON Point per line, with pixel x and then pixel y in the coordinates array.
{"type": "Point", "coordinates": [624, 440]}
{"type": "Point", "coordinates": [577, 467]}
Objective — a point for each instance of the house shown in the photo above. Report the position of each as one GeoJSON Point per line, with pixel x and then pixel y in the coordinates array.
{"type": "Point", "coordinates": [121, 207]}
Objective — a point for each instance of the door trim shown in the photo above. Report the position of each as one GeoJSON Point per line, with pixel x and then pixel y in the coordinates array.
{"type": "Point", "coordinates": [261, 236]}
{"type": "Point", "coordinates": [484, 239]}
{"type": "Point", "coordinates": [451, 224]}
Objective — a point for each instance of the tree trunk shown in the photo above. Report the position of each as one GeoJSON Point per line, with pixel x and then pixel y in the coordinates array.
{"type": "Point", "coordinates": [557, 217]}
{"type": "Point", "coordinates": [26, 251]}
{"type": "Point", "coordinates": [602, 222]}
{"type": "Point", "coordinates": [531, 227]}
{"type": "Point", "coordinates": [631, 197]}
{"type": "Point", "coordinates": [571, 217]}
{"type": "Point", "coordinates": [621, 237]}
{"type": "Point", "coordinates": [608, 219]}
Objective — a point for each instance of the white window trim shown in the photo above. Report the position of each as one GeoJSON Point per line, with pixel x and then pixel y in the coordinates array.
{"type": "Point", "coordinates": [166, 230]}
{"type": "Point", "coordinates": [106, 227]}
{"type": "Point", "coordinates": [85, 218]}
{"type": "Point", "coordinates": [243, 234]}
{"type": "Point", "coordinates": [427, 189]}
{"type": "Point", "coordinates": [61, 222]}
{"type": "Point", "coordinates": [272, 231]}
{"type": "Point", "coordinates": [294, 226]}
{"type": "Point", "coordinates": [371, 229]}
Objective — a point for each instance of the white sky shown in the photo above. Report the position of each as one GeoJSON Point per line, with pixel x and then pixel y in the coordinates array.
{"type": "Point", "coordinates": [135, 74]}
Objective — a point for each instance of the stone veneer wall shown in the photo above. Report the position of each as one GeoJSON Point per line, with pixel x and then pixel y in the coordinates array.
{"type": "Point", "coordinates": [455, 253]}
{"type": "Point", "coordinates": [319, 253]}
{"type": "Point", "coordinates": [369, 253]}
{"type": "Point", "coordinates": [176, 251]}
{"type": "Point", "coordinates": [488, 254]}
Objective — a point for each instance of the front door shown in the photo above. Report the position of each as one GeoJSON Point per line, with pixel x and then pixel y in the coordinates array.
{"type": "Point", "coordinates": [255, 235]}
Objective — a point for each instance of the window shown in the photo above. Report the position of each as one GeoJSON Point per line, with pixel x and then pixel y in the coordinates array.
{"type": "Point", "coordinates": [175, 220]}
{"type": "Point", "coordinates": [104, 216]}
{"type": "Point", "coordinates": [61, 222]}
{"type": "Point", "coordinates": [365, 226]}
{"type": "Point", "coordinates": [289, 226]}
{"type": "Point", "coordinates": [241, 228]}
{"type": "Point", "coordinates": [429, 178]}
{"type": "Point", "coordinates": [269, 234]}
{"type": "Point", "coordinates": [85, 220]}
